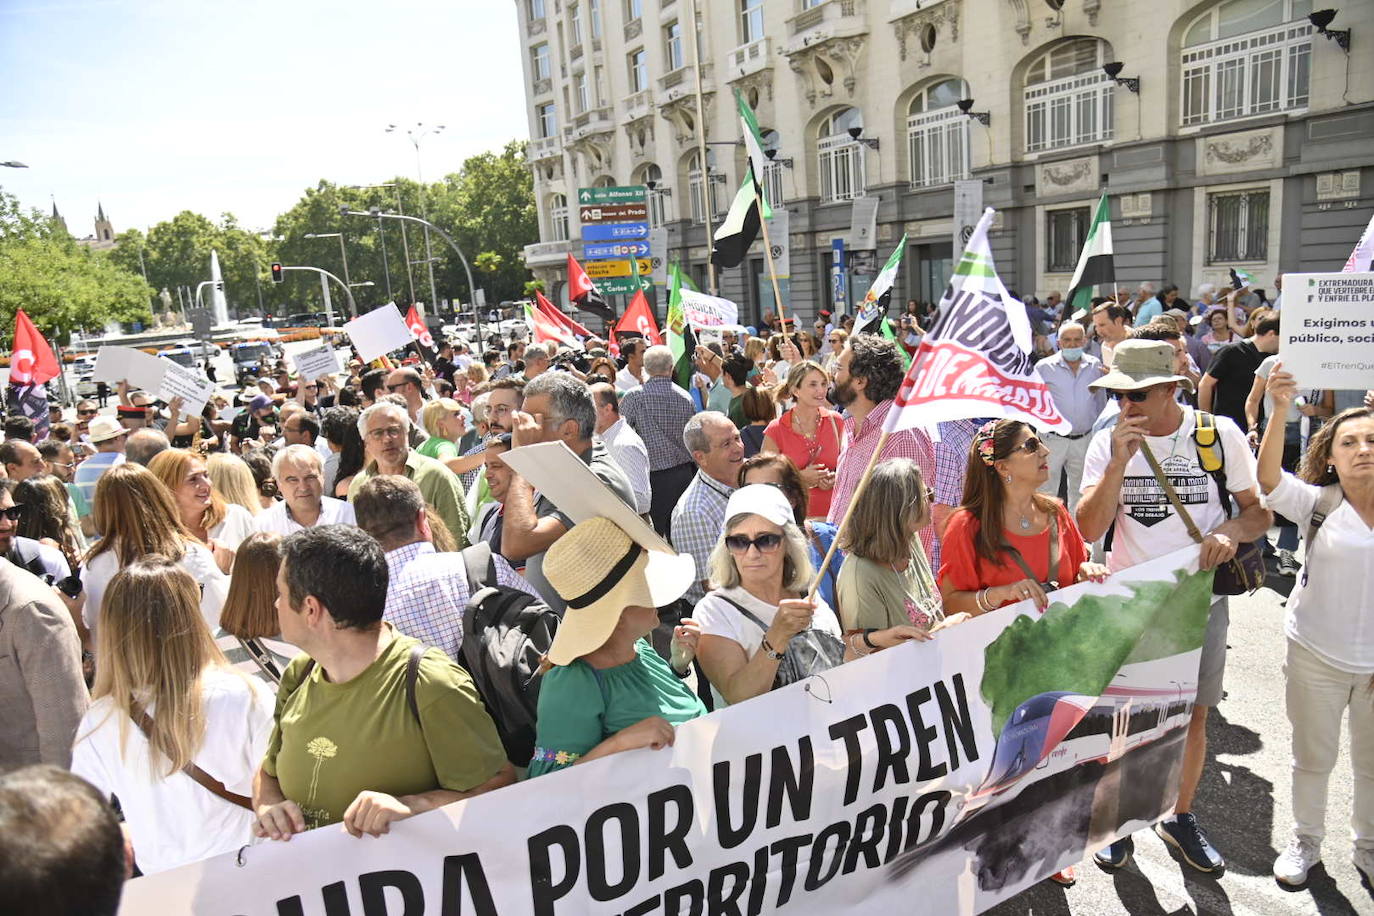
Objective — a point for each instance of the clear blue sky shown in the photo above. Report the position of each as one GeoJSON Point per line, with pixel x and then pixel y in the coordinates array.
{"type": "Point", "coordinates": [157, 106]}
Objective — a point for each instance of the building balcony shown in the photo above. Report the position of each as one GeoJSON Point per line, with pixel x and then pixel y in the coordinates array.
{"type": "Point", "coordinates": [751, 58]}
{"type": "Point", "coordinates": [542, 86]}
{"type": "Point", "coordinates": [576, 52]}
{"type": "Point", "coordinates": [639, 105]}
{"type": "Point", "coordinates": [682, 81]}
{"type": "Point", "coordinates": [537, 27]}
{"type": "Point", "coordinates": [898, 9]}
{"type": "Point", "coordinates": [832, 19]}
{"type": "Point", "coordinates": [593, 121]}
{"type": "Point", "coordinates": [541, 148]}
{"type": "Point", "coordinates": [544, 254]}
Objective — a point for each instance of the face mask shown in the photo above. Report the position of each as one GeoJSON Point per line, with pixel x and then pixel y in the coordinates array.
{"type": "Point", "coordinates": [1072, 354]}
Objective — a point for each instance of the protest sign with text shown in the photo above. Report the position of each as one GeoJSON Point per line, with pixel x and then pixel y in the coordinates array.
{"type": "Point", "coordinates": [962, 770]}
{"type": "Point", "coordinates": [705, 311]}
{"type": "Point", "coordinates": [193, 388]}
{"type": "Point", "coordinates": [1328, 329]}
{"type": "Point", "coordinates": [312, 364]}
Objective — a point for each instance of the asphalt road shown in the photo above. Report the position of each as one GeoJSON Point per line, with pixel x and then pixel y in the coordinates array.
{"type": "Point", "coordinates": [1243, 803]}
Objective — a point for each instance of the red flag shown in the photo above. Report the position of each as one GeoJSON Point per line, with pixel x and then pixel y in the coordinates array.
{"type": "Point", "coordinates": [552, 311]}
{"type": "Point", "coordinates": [418, 329]}
{"type": "Point", "coordinates": [31, 359]}
{"type": "Point", "coordinates": [545, 329]}
{"type": "Point", "coordinates": [639, 317]}
{"type": "Point", "coordinates": [583, 291]}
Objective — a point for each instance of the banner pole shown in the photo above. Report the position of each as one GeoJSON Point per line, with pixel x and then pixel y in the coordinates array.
{"type": "Point", "coordinates": [772, 268]}
{"type": "Point", "coordinates": [848, 511]}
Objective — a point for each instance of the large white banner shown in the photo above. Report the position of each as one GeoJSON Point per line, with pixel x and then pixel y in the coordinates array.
{"type": "Point", "coordinates": [954, 772]}
{"type": "Point", "coordinates": [1328, 329]}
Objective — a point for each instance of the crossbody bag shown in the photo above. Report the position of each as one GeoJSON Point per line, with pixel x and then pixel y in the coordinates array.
{"type": "Point", "coordinates": [202, 778]}
{"type": "Point", "coordinates": [1051, 571]}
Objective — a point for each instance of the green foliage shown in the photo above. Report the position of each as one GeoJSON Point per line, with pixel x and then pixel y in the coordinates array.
{"type": "Point", "coordinates": [1080, 647]}
{"type": "Point", "coordinates": [488, 262]}
{"type": "Point", "coordinates": [61, 285]}
{"type": "Point", "coordinates": [531, 286]}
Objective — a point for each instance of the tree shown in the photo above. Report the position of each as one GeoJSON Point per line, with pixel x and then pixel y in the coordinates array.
{"type": "Point", "coordinates": [61, 285]}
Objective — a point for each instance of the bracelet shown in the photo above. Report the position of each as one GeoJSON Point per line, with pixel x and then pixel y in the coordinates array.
{"type": "Point", "coordinates": [769, 651]}
{"type": "Point", "coordinates": [682, 675]}
{"type": "Point", "coordinates": [855, 649]}
{"type": "Point", "coordinates": [868, 642]}
{"type": "Point", "coordinates": [980, 599]}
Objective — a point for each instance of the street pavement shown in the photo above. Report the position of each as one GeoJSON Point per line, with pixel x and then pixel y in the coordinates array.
{"type": "Point", "coordinates": [1243, 804]}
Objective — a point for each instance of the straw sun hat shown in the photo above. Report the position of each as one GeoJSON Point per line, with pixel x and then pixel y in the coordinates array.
{"type": "Point", "coordinates": [599, 571]}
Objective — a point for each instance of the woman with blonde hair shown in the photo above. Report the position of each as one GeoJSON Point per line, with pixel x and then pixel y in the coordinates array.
{"type": "Point", "coordinates": [249, 631]}
{"type": "Point", "coordinates": [442, 420]}
{"type": "Point", "coordinates": [218, 525]}
{"type": "Point", "coordinates": [232, 477]}
{"type": "Point", "coordinates": [173, 731]}
{"type": "Point", "coordinates": [809, 433]}
{"type": "Point", "coordinates": [137, 516]}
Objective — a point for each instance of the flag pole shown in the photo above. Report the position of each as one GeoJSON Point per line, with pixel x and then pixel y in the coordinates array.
{"type": "Point", "coordinates": [768, 251]}
{"type": "Point", "coordinates": [848, 511]}
{"type": "Point", "coordinates": [706, 190]}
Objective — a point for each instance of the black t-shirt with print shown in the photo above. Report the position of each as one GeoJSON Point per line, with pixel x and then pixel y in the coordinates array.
{"type": "Point", "coordinates": [1234, 370]}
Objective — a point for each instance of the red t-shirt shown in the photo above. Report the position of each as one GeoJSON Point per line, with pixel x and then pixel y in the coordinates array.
{"type": "Point", "coordinates": [964, 569]}
{"type": "Point", "coordinates": [822, 451]}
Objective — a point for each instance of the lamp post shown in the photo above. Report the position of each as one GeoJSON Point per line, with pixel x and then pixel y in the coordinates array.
{"type": "Point", "coordinates": [13, 164]}
{"type": "Point", "coordinates": [416, 134]}
{"type": "Point", "coordinates": [381, 232]}
{"type": "Point", "coordinates": [376, 212]}
{"type": "Point", "coordinates": [343, 255]}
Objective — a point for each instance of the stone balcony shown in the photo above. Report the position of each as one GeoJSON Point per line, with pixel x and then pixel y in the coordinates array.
{"type": "Point", "coordinates": [541, 148]}
{"type": "Point", "coordinates": [832, 19]}
{"type": "Point", "coordinates": [593, 121]}
{"type": "Point", "coordinates": [639, 105]}
{"type": "Point", "coordinates": [751, 58]}
{"type": "Point", "coordinates": [542, 254]}
{"type": "Point", "coordinates": [682, 81]}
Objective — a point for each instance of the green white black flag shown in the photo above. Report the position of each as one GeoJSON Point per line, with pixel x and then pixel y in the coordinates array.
{"type": "Point", "coordinates": [1095, 266]}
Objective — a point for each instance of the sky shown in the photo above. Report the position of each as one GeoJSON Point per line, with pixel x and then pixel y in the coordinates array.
{"type": "Point", "coordinates": [151, 107]}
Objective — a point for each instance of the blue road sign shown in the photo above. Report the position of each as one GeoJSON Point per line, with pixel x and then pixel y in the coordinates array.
{"type": "Point", "coordinates": [619, 250]}
{"type": "Point", "coordinates": [614, 232]}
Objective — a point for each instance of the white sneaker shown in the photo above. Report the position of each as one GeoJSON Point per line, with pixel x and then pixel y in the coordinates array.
{"type": "Point", "coordinates": [1364, 861]}
{"type": "Point", "coordinates": [1293, 864]}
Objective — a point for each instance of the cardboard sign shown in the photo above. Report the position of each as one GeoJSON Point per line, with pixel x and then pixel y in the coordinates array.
{"type": "Point", "coordinates": [193, 388]}
{"type": "Point", "coordinates": [139, 369]}
{"type": "Point", "coordinates": [312, 364]}
{"type": "Point", "coordinates": [378, 332]}
{"type": "Point", "coordinates": [703, 311]}
{"type": "Point", "coordinates": [1327, 330]}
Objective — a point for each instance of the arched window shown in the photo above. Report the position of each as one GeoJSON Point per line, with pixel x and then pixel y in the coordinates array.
{"type": "Point", "coordinates": [558, 218]}
{"type": "Point", "coordinates": [839, 159]}
{"type": "Point", "coordinates": [1069, 100]}
{"type": "Point", "coordinates": [658, 195]}
{"type": "Point", "coordinates": [772, 171]}
{"type": "Point", "coordinates": [1246, 57]}
{"type": "Point", "coordinates": [696, 185]}
{"type": "Point", "coordinates": [937, 135]}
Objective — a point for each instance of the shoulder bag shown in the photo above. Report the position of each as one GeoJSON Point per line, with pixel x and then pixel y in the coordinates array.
{"type": "Point", "coordinates": [1051, 571]}
{"type": "Point", "coordinates": [809, 652]}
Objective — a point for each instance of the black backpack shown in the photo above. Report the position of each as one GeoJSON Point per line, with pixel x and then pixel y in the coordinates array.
{"type": "Point", "coordinates": [506, 634]}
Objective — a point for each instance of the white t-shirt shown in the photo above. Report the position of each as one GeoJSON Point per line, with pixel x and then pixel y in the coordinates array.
{"type": "Point", "coordinates": [197, 560]}
{"type": "Point", "coordinates": [1146, 524]}
{"type": "Point", "coordinates": [718, 617]}
{"type": "Point", "coordinates": [277, 520]}
{"type": "Point", "coordinates": [236, 525]}
{"type": "Point", "coordinates": [1329, 610]}
{"type": "Point", "coordinates": [172, 819]}
{"type": "Point", "coordinates": [1267, 366]}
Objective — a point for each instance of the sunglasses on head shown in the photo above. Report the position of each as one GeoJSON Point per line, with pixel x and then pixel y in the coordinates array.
{"type": "Point", "coordinates": [766, 543]}
{"type": "Point", "coordinates": [1135, 397]}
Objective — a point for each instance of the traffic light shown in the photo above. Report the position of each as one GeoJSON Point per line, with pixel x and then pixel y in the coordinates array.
{"type": "Point", "coordinates": [277, 273]}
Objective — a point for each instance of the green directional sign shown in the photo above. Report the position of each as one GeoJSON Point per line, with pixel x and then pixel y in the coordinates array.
{"type": "Point", "coordinates": [621, 284]}
{"type": "Point", "coordinates": [632, 194]}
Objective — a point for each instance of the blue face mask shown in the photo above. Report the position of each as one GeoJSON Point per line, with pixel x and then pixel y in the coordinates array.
{"type": "Point", "coordinates": [1072, 354]}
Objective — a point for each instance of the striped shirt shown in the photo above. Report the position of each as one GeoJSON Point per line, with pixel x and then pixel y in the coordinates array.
{"type": "Point", "coordinates": [628, 450]}
{"type": "Point", "coordinates": [697, 523]}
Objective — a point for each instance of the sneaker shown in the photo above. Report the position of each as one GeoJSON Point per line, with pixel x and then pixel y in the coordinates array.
{"type": "Point", "coordinates": [1067, 878]}
{"type": "Point", "coordinates": [1292, 866]}
{"type": "Point", "coordinates": [1364, 863]}
{"type": "Point", "coordinates": [1183, 833]}
{"type": "Point", "coordinates": [1288, 564]}
{"type": "Point", "coordinates": [1113, 856]}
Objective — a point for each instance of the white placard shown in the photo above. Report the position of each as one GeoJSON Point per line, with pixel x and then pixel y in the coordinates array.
{"type": "Point", "coordinates": [778, 228]}
{"type": "Point", "coordinates": [1328, 329]}
{"type": "Point", "coordinates": [703, 311]}
{"type": "Point", "coordinates": [378, 332]}
{"type": "Point", "coordinates": [192, 387]}
{"type": "Point", "coordinates": [311, 364]}
{"type": "Point", "coordinates": [139, 369]}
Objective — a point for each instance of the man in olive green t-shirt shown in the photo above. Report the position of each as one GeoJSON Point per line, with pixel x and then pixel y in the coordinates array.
{"type": "Point", "coordinates": [349, 745]}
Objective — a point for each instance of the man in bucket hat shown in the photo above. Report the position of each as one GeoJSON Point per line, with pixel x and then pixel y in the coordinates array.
{"type": "Point", "coordinates": [1120, 489]}
{"type": "Point", "coordinates": [108, 436]}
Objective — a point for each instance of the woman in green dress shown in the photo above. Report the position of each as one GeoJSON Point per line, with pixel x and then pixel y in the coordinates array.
{"type": "Point", "coordinates": [443, 419]}
{"type": "Point", "coordinates": [608, 690]}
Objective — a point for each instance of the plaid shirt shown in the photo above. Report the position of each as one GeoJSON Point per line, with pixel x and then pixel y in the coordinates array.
{"type": "Point", "coordinates": [697, 523]}
{"type": "Point", "coordinates": [857, 447]}
{"type": "Point", "coordinates": [469, 478]}
{"type": "Point", "coordinates": [629, 451]}
{"type": "Point", "coordinates": [659, 410]}
{"type": "Point", "coordinates": [951, 463]}
{"type": "Point", "coordinates": [428, 593]}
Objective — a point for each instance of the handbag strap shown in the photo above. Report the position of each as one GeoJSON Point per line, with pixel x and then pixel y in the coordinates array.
{"type": "Point", "coordinates": [746, 612]}
{"type": "Point", "coordinates": [1051, 571]}
{"type": "Point", "coordinates": [202, 778]}
{"type": "Point", "coordinates": [262, 657]}
{"type": "Point", "coordinates": [1170, 492]}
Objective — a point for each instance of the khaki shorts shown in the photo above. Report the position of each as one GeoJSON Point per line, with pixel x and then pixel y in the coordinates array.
{"type": "Point", "coordinates": [1213, 665]}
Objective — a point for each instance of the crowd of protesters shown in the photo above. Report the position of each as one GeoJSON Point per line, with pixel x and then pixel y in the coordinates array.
{"type": "Point", "coordinates": [251, 623]}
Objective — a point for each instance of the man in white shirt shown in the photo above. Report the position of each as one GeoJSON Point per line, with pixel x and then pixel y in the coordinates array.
{"type": "Point", "coordinates": [1069, 374]}
{"type": "Point", "coordinates": [632, 376]}
{"type": "Point", "coordinates": [1120, 489]}
{"type": "Point", "coordinates": [624, 444]}
{"type": "Point", "coordinates": [299, 474]}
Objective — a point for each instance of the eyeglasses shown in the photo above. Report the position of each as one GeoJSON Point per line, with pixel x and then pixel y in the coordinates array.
{"type": "Point", "coordinates": [1135, 397]}
{"type": "Point", "coordinates": [389, 432]}
{"type": "Point", "coordinates": [766, 543]}
{"type": "Point", "coordinates": [1030, 446]}
{"type": "Point", "coordinates": [398, 386]}
{"type": "Point", "coordinates": [16, 512]}
{"type": "Point", "coordinates": [87, 413]}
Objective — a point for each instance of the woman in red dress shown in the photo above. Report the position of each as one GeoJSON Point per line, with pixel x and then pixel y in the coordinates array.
{"type": "Point", "coordinates": [809, 433]}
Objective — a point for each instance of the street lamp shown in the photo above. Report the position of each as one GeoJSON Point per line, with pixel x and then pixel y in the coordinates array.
{"type": "Point", "coordinates": [12, 164]}
{"type": "Point", "coordinates": [416, 134]}
{"type": "Point", "coordinates": [342, 253]}
{"type": "Point", "coordinates": [376, 213]}
{"type": "Point", "coordinates": [405, 239]}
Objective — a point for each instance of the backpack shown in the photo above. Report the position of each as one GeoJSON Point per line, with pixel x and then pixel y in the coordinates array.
{"type": "Point", "coordinates": [1246, 572]}
{"type": "Point", "coordinates": [1328, 501]}
{"type": "Point", "coordinates": [506, 634]}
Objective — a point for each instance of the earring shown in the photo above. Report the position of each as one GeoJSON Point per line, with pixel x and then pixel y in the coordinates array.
{"type": "Point", "coordinates": [1330, 469]}
{"type": "Point", "coordinates": [1007, 478]}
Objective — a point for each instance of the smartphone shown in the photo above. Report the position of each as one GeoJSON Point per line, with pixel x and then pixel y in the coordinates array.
{"type": "Point", "coordinates": [70, 586]}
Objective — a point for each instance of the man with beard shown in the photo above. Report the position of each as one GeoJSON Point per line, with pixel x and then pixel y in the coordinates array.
{"type": "Point", "coordinates": [867, 376]}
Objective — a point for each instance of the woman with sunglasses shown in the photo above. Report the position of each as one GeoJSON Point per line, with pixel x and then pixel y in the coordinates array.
{"type": "Point", "coordinates": [779, 471]}
{"type": "Point", "coordinates": [760, 574]}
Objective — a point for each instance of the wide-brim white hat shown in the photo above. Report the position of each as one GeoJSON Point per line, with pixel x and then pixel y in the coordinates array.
{"type": "Point", "coordinates": [599, 570]}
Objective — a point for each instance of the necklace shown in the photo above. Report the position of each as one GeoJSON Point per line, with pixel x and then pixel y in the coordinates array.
{"type": "Point", "coordinates": [1025, 519]}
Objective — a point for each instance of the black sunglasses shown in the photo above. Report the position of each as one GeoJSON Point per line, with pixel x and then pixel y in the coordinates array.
{"type": "Point", "coordinates": [766, 543]}
{"type": "Point", "coordinates": [1030, 446]}
{"type": "Point", "coordinates": [1135, 397]}
{"type": "Point", "coordinates": [14, 513]}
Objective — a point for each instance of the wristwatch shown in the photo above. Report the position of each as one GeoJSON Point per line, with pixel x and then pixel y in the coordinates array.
{"type": "Point", "coordinates": [769, 651]}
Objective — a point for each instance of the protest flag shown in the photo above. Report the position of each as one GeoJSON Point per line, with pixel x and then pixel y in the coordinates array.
{"type": "Point", "coordinates": [546, 330]}
{"type": "Point", "coordinates": [682, 340]}
{"type": "Point", "coordinates": [739, 228]}
{"type": "Point", "coordinates": [1095, 265]}
{"type": "Point", "coordinates": [554, 313]}
{"type": "Point", "coordinates": [424, 340]}
{"type": "Point", "coordinates": [753, 142]}
{"type": "Point", "coordinates": [583, 292]}
{"type": "Point", "coordinates": [639, 319]}
{"type": "Point", "coordinates": [32, 366]}
{"type": "Point", "coordinates": [875, 301]}
{"type": "Point", "coordinates": [1240, 279]}
{"type": "Point", "coordinates": [1362, 258]}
